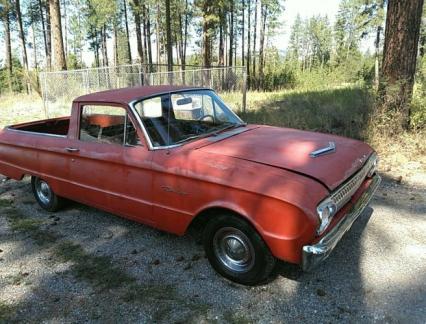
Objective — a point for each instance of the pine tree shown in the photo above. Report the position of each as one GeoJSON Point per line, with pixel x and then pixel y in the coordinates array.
{"type": "Point", "coordinates": [399, 57]}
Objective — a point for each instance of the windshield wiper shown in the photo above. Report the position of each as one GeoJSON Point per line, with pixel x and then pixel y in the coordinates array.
{"type": "Point", "coordinates": [228, 127]}
{"type": "Point", "coordinates": [215, 133]}
{"type": "Point", "coordinates": [187, 139]}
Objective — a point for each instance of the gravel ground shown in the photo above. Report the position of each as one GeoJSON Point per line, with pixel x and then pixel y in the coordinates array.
{"type": "Point", "coordinates": [84, 265]}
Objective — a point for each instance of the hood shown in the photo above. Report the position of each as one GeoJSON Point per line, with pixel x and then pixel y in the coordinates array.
{"type": "Point", "coordinates": [290, 149]}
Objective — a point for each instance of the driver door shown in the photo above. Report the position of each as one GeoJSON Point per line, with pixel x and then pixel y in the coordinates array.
{"type": "Point", "coordinates": [111, 164]}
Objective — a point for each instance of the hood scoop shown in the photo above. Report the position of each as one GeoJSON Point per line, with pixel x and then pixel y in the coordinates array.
{"type": "Point", "coordinates": [331, 148]}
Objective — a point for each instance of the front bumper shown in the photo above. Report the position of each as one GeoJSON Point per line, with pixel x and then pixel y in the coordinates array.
{"type": "Point", "coordinates": [314, 254]}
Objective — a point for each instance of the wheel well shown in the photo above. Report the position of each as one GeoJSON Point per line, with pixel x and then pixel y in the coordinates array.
{"type": "Point", "coordinates": [197, 225]}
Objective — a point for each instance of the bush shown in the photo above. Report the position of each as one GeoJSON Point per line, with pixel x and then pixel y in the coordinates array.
{"type": "Point", "coordinates": [418, 107]}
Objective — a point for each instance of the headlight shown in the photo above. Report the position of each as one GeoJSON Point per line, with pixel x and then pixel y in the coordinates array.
{"type": "Point", "coordinates": [326, 211]}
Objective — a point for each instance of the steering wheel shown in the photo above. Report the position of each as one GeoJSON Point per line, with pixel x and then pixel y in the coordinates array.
{"type": "Point", "coordinates": [202, 118]}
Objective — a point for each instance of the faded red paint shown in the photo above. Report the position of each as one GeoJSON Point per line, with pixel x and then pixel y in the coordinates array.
{"type": "Point", "coordinates": [264, 174]}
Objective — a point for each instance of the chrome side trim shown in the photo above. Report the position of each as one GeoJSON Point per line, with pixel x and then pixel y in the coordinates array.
{"type": "Point", "coordinates": [331, 148]}
{"type": "Point", "coordinates": [9, 128]}
{"type": "Point", "coordinates": [312, 255]}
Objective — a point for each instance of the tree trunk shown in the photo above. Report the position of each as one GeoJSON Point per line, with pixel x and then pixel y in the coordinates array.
{"type": "Point", "coordinates": [157, 35]}
{"type": "Point", "coordinates": [126, 23]}
{"type": "Point", "coordinates": [137, 16]}
{"type": "Point", "coordinates": [65, 31]}
{"type": "Point", "coordinates": [376, 57]}
{"type": "Point", "coordinates": [169, 38]}
{"type": "Point", "coordinates": [399, 56]}
{"type": "Point", "coordinates": [243, 33]}
{"type": "Point", "coordinates": [8, 48]}
{"type": "Point", "coordinates": [58, 43]}
{"type": "Point", "coordinates": [23, 43]}
{"type": "Point", "coordinates": [34, 46]}
{"type": "Point", "coordinates": [43, 26]}
{"type": "Point", "coordinates": [221, 39]}
{"type": "Point", "coordinates": [21, 33]}
{"type": "Point", "coordinates": [185, 42]}
{"type": "Point", "coordinates": [263, 12]}
{"type": "Point", "coordinates": [231, 33]}
{"type": "Point", "coordinates": [48, 37]}
{"type": "Point", "coordinates": [248, 42]}
{"type": "Point", "coordinates": [148, 30]}
{"type": "Point", "coordinates": [96, 52]}
{"type": "Point", "coordinates": [235, 44]}
{"type": "Point", "coordinates": [254, 40]}
{"type": "Point", "coordinates": [180, 41]}
{"type": "Point", "coordinates": [104, 47]}
{"type": "Point", "coordinates": [115, 46]}
{"type": "Point", "coordinates": [207, 11]}
{"type": "Point", "coordinates": [145, 35]}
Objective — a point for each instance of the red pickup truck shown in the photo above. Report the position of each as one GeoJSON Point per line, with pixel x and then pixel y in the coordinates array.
{"type": "Point", "coordinates": [175, 157]}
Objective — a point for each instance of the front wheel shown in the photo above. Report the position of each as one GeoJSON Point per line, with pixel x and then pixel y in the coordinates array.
{"type": "Point", "coordinates": [44, 195]}
{"type": "Point", "coordinates": [236, 250]}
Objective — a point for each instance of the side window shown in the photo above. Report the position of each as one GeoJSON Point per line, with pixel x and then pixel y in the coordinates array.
{"type": "Point", "coordinates": [107, 124]}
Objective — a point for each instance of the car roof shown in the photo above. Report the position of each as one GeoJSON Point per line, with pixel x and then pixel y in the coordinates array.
{"type": "Point", "coordinates": [127, 95]}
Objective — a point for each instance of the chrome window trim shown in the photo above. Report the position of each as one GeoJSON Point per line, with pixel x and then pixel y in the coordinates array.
{"type": "Point", "coordinates": [138, 118]}
{"type": "Point", "coordinates": [9, 128]}
{"type": "Point", "coordinates": [125, 128]}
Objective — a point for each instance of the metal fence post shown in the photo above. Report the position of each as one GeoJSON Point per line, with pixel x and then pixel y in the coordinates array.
{"type": "Point", "coordinates": [86, 80]}
{"type": "Point", "coordinates": [43, 94]}
{"type": "Point", "coordinates": [244, 89]}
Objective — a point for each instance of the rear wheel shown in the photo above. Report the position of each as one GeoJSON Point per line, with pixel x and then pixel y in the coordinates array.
{"type": "Point", "coordinates": [44, 195]}
{"type": "Point", "coordinates": [236, 250]}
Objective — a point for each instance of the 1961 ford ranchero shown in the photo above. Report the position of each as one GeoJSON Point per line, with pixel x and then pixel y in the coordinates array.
{"type": "Point", "coordinates": [175, 157]}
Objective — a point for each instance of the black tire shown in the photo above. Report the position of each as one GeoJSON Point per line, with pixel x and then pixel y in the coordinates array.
{"type": "Point", "coordinates": [45, 196]}
{"type": "Point", "coordinates": [236, 251]}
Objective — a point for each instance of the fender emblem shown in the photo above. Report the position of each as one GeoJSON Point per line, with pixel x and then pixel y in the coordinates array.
{"type": "Point", "coordinates": [173, 190]}
{"type": "Point", "coordinates": [331, 148]}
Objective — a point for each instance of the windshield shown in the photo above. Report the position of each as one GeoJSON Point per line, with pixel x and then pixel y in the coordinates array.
{"type": "Point", "coordinates": [175, 118]}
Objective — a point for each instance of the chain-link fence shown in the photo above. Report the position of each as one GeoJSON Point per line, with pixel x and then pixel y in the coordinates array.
{"type": "Point", "coordinates": [60, 88]}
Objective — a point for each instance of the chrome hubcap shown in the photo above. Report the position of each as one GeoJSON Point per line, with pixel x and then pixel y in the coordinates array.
{"type": "Point", "coordinates": [43, 191]}
{"type": "Point", "coordinates": [233, 249]}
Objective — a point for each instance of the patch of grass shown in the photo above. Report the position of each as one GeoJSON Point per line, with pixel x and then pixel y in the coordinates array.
{"type": "Point", "coordinates": [97, 270]}
{"type": "Point", "coordinates": [5, 203]}
{"type": "Point", "coordinates": [19, 223]}
{"type": "Point", "coordinates": [236, 318]}
{"type": "Point", "coordinates": [6, 312]}
{"type": "Point", "coordinates": [149, 292]}
{"type": "Point", "coordinates": [22, 108]}
{"type": "Point", "coordinates": [17, 279]}
{"type": "Point", "coordinates": [22, 225]}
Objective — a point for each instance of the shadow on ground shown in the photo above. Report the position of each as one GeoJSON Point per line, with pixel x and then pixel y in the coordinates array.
{"type": "Point", "coordinates": [157, 277]}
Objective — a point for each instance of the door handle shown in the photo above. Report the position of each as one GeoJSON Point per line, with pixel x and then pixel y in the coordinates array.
{"type": "Point", "coordinates": [72, 149]}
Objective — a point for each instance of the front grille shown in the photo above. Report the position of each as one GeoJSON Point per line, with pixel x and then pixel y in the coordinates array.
{"type": "Point", "coordinates": [344, 193]}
